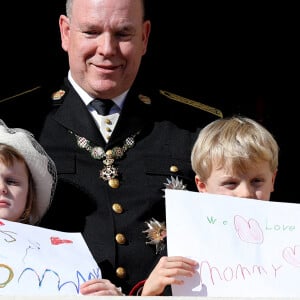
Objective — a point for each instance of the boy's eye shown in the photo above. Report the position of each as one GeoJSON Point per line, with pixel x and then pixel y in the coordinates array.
{"type": "Point", "coordinates": [258, 181]}
{"type": "Point", "coordinates": [229, 184]}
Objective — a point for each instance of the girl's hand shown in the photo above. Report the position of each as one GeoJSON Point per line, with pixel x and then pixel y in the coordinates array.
{"type": "Point", "coordinates": [100, 287]}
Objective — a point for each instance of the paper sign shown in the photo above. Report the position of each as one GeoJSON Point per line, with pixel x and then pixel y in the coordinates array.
{"type": "Point", "coordinates": [244, 247]}
{"type": "Point", "coordinates": [39, 261]}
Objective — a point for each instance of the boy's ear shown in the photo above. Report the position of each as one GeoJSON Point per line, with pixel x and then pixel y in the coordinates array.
{"type": "Point", "coordinates": [273, 179]}
{"type": "Point", "coordinates": [201, 186]}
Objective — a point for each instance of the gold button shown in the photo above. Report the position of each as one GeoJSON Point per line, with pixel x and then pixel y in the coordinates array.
{"type": "Point", "coordinates": [120, 238]}
{"type": "Point", "coordinates": [121, 272]}
{"type": "Point", "coordinates": [174, 169]}
{"type": "Point", "coordinates": [117, 208]}
{"type": "Point", "coordinates": [107, 121]}
{"type": "Point", "coordinates": [114, 183]}
{"type": "Point", "coordinates": [108, 129]}
{"type": "Point", "coordinates": [108, 136]}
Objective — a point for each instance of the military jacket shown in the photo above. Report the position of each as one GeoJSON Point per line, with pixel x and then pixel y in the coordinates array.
{"type": "Point", "coordinates": [155, 134]}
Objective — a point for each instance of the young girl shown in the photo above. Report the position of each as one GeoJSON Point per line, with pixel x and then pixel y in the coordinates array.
{"type": "Point", "coordinates": [27, 176]}
{"type": "Point", "coordinates": [234, 156]}
{"type": "Point", "coordinates": [27, 183]}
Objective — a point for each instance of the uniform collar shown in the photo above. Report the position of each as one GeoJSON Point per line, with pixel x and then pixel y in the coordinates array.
{"type": "Point", "coordinates": [86, 98]}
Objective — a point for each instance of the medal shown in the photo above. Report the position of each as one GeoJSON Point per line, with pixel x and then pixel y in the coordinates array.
{"type": "Point", "coordinates": [109, 172]}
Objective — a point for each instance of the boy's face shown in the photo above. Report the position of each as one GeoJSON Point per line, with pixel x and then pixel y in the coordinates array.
{"type": "Point", "coordinates": [256, 183]}
{"type": "Point", "coordinates": [13, 190]}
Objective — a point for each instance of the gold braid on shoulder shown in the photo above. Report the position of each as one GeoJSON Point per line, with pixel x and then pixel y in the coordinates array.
{"type": "Point", "coordinates": [20, 94]}
{"type": "Point", "coordinates": [193, 103]}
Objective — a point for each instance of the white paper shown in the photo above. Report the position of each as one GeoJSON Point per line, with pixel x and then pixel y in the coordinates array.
{"type": "Point", "coordinates": [245, 247]}
{"type": "Point", "coordinates": [39, 261]}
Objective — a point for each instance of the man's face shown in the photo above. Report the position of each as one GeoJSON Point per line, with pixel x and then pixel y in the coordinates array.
{"type": "Point", "coordinates": [105, 41]}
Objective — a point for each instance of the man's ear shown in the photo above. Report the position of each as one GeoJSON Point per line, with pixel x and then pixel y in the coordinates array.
{"type": "Point", "coordinates": [64, 26]}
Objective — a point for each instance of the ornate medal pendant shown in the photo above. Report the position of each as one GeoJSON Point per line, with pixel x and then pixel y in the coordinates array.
{"type": "Point", "coordinates": [109, 172]}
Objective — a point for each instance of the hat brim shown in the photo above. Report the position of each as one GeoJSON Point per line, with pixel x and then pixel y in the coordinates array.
{"type": "Point", "coordinates": [41, 166]}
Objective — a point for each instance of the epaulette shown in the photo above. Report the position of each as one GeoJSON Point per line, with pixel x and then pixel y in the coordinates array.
{"type": "Point", "coordinates": [20, 94]}
{"type": "Point", "coordinates": [193, 103]}
{"type": "Point", "coordinates": [57, 97]}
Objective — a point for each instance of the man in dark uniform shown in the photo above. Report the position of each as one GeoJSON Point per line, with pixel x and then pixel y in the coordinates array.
{"type": "Point", "coordinates": [112, 169]}
{"type": "Point", "coordinates": [109, 190]}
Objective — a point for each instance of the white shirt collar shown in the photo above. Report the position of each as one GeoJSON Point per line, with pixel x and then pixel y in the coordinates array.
{"type": "Point", "coordinates": [86, 98]}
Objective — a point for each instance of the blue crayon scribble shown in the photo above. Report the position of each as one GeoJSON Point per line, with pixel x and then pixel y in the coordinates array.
{"type": "Point", "coordinates": [80, 278]}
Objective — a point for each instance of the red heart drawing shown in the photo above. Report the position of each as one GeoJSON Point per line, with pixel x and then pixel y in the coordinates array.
{"type": "Point", "coordinates": [248, 231]}
{"type": "Point", "coordinates": [57, 241]}
{"type": "Point", "coordinates": [1, 223]}
{"type": "Point", "coordinates": [292, 255]}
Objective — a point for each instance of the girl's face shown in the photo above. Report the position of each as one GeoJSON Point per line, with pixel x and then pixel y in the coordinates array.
{"type": "Point", "coordinates": [256, 183]}
{"type": "Point", "coordinates": [13, 190]}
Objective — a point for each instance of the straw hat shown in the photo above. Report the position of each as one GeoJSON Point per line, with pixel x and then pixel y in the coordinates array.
{"type": "Point", "coordinates": [42, 167]}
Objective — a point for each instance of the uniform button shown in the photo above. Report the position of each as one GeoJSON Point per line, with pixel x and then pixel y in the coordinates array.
{"type": "Point", "coordinates": [107, 121]}
{"type": "Point", "coordinates": [117, 208]}
{"type": "Point", "coordinates": [121, 272]}
{"type": "Point", "coordinates": [108, 129]}
{"type": "Point", "coordinates": [120, 238]}
{"type": "Point", "coordinates": [114, 183]}
{"type": "Point", "coordinates": [174, 169]}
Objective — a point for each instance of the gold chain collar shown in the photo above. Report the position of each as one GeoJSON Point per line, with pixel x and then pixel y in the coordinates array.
{"type": "Point", "coordinates": [109, 172]}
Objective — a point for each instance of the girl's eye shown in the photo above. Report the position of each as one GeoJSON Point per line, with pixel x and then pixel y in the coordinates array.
{"type": "Point", "coordinates": [12, 182]}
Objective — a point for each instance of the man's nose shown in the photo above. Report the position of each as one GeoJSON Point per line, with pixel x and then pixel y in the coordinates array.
{"type": "Point", "coordinates": [107, 44]}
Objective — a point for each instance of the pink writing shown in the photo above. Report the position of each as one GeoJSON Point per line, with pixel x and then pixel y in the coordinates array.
{"type": "Point", "coordinates": [237, 272]}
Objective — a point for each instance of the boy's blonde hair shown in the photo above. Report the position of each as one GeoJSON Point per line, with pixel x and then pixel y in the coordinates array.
{"type": "Point", "coordinates": [234, 144]}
